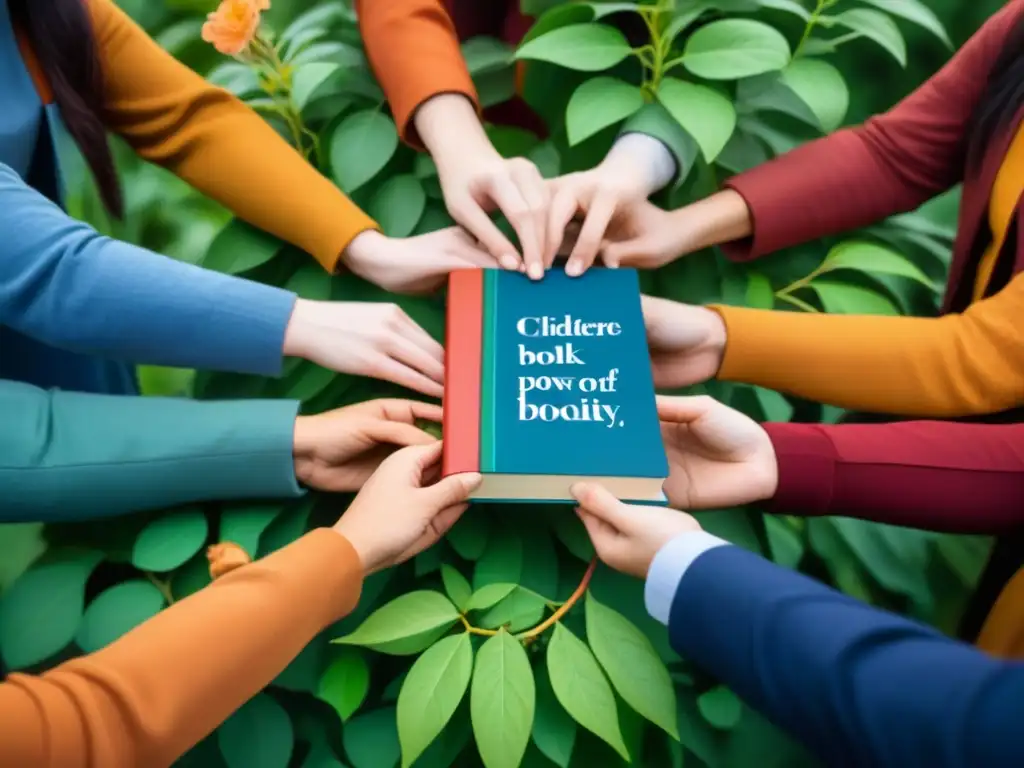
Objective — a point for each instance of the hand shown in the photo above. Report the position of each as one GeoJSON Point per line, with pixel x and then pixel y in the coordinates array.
{"type": "Point", "coordinates": [475, 179]}
{"type": "Point", "coordinates": [647, 237]}
{"type": "Point", "coordinates": [717, 456]}
{"type": "Point", "coordinates": [413, 265]}
{"type": "Point", "coordinates": [366, 339]}
{"type": "Point", "coordinates": [627, 536]}
{"type": "Point", "coordinates": [686, 343]}
{"type": "Point", "coordinates": [401, 511]}
{"type": "Point", "coordinates": [337, 451]}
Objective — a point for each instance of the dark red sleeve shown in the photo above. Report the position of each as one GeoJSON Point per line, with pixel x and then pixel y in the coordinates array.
{"type": "Point", "coordinates": [892, 163]}
{"type": "Point", "coordinates": [933, 475]}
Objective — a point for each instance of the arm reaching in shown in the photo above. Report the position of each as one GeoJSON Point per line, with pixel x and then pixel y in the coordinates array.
{"type": "Point", "coordinates": [833, 672]}
{"type": "Point", "coordinates": [153, 694]}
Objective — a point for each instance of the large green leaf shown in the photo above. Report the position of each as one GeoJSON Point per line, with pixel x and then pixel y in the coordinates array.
{"type": "Point", "coordinates": [240, 247]}
{"type": "Point", "coordinates": [243, 524]}
{"type": "Point", "coordinates": [41, 612]}
{"type": "Point", "coordinates": [519, 611]}
{"type": "Point", "coordinates": [821, 87]}
{"type": "Point", "coordinates": [371, 740]}
{"type": "Point", "coordinates": [584, 47]}
{"type": "Point", "coordinates": [707, 115]}
{"type": "Point", "coordinates": [599, 103]}
{"type": "Point", "coordinates": [486, 54]}
{"type": "Point", "coordinates": [582, 689]}
{"type": "Point", "coordinates": [501, 562]}
{"type": "Point", "coordinates": [21, 544]}
{"type": "Point", "coordinates": [259, 735]}
{"type": "Point", "coordinates": [117, 610]}
{"type": "Point", "coordinates": [360, 147]}
{"type": "Point", "coordinates": [406, 625]}
{"type": "Point", "coordinates": [488, 595]}
{"type": "Point", "coordinates": [735, 48]}
{"type": "Point", "coordinates": [345, 682]}
{"type": "Point", "coordinates": [876, 26]}
{"type": "Point", "coordinates": [915, 12]}
{"type": "Point", "coordinates": [398, 204]}
{"type": "Point", "coordinates": [840, 298]}
{"type": "Point", "coordinates": [456, 587]}
{"type": "Point", "coordinates": [311, 80]}
{"type": "Point", "coordinates": [432, 692]}
{"type": "Point", "coordinates": [554, 730]}
{"type": "Point", "coordinates": [870, 257]}
{"type": "Point", "coordinates": [469, 536]}
{"type": "Point", "coordinates": [170, 540]}
{"type": "Point", "coordinates": [502, 701]}
{"type": "Point", "coordinates": [632, 665]}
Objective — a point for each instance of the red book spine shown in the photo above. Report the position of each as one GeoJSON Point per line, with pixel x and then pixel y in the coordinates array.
{"type": "Point", "coordinates": [462, 368]}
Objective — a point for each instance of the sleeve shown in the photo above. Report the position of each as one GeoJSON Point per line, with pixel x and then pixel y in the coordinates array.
{"type": "Point", "coordinates": [173, 117]}
{"type": "Point", "coordinates": [837, 674]}
{"type": "Point", "coordinates": [893, 163]}
{"type": "Point", "coordinates": [65, 285]}
{"type": "Point", "coordinates": [415, 55]}
{"type": "Point", "coordinates": [68, 456]}
{"type": "Point", "coordinates": [153, 694]}
{"type": "Point", "coordinates": [956, 365]}
{"type": "Point", "coordinates": [932, 475]}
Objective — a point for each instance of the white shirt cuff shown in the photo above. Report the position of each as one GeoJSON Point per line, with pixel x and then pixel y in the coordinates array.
{"type": "Point", "coordinates": [668, 568]}
{"type": "Point", "coordinates": [648, 155]}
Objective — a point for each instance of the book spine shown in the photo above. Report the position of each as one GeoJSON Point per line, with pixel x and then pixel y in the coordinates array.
{"type": "Point", "coordinates": [463, 365]}
{"type": "Point", "coordinates": [489, 361]}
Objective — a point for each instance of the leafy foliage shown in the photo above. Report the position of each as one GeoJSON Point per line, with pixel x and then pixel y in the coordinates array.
{"type": "Point", "coordinates": [501, 647]}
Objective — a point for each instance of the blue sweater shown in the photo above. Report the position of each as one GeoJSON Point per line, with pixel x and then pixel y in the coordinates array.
{"type": "Point", "coordinates": [858, 686]}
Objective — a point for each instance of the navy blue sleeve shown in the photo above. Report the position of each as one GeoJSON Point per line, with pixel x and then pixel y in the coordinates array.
{"type": "Point", "coordinates": [856, 685]}
{"type": "Point", "coordinates": [65, 285]}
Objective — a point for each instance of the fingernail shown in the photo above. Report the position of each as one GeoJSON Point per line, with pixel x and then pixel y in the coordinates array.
{"type": "Point", "coordinates": [535, 271]}
{"type": "Point", "coordinates": [509, 261]}
{"type": "Point", "coordinates": [572, 269]}
{"type": "Point", "coordinates": [576, 489]}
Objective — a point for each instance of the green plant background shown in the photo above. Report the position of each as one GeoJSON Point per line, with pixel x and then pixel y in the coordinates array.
{"type": "Point", "coordinates": [408, 682]}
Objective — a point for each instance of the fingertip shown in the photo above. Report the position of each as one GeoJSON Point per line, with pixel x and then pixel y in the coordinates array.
{"type": "Point", "coordinates": [471, 481]}
{"type": "Point", "coordinates": [510, 262]}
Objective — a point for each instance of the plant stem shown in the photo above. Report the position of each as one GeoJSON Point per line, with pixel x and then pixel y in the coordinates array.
{"type": "Point", "coordinates": [820, 7]}
{"type": "Point", "coordinates": [477, 630]}
{"type": "Point", "coordinates": [795, 301]}
{"type": "Point", "coordinates": [163, 586]}
{"type": "Point", "coordinates": [565, 607]}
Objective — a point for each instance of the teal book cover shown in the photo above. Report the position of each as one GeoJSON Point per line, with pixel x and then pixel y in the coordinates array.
{"type": "Point", "coordinates": [549, 382]}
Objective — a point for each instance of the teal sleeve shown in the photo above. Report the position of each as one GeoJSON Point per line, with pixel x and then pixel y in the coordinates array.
{"type": "Point", "coordinates": [71, 456]}
{"type": "Point", "coordinates": [654, 120]}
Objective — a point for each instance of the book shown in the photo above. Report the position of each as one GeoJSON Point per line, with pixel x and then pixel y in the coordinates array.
{"type": "Point", "coordinates": [548, 383]}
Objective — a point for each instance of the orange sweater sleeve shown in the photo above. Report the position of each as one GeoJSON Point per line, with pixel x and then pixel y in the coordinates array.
{"type": "Point", "coordinates": [415, 54]}
{"type": "Point", "coordinates": [955, 365]}
{"type": "Point", "coordinates": [147, 698]}
{"type": "Point", "coordinates": [171, 116]}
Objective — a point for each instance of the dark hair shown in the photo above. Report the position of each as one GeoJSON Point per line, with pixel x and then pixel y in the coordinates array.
{"type": "Point", "coordinates": [1003, 97]}
{"type": "Point", "coordinates": [62, 37]}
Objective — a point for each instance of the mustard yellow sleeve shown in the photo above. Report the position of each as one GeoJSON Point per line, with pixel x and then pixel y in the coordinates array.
{"type": "Point", "coordinates": [147, 698]}
{"type": "Point", "coordinates": [172, 117]}
{"type": "Point", "coordinates": [956, 365]}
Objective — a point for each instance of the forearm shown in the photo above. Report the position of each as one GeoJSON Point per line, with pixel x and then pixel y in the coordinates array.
{"type": "Point", "coordinates": [67, 456]}
{"type": "Point", "coordinates": [450, 128]}
{"type": "Point", "coordinates": [160, 689]}
{"type": "Point", "coordinates": [936, 476]}
{"type": "Point", "coordinates": [837, 673]}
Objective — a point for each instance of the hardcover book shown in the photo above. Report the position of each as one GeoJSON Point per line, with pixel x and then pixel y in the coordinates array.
{"type": "Point", "coordinates": [548, 383]}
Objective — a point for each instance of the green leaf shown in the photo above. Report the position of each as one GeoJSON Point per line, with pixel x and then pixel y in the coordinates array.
{"type": "Point", "coordinates": [598, 103]}
{"type": "Point", "coordinates": [237, 78]}
{"type": "Point", "coordinates": [469, 535]}
{"type": "Point", "coordinates": [821, 87]}
{"type": "Point", "coordinates": [41, 611]}
{"type": "Point", "coordinates": [759, 292]}
{"type": "Point", "coordinates": [170, 540]}
{"type": "Point", "coordinates": [735, 48]}
{"type": "Point", "coordinates": [486, 54]}
{"type": "Point", "coordinates": [21, 544]}
{"type": "Point", "coordinates": [632, 665]}
{"type": "Point", "coordinates": [345, 683]}
{"type": "Point", "coordinates": [876, 26]}
{"type": "Point", "coordinates": [398, 204]}
{"type": "Point", "coordinates": [786, 545]}
{"type": "Point", "coordinates": [840, 299]}
{"type": "Point", "coordinates": [240, 247]}
{"type": "Point", "coordinates": [456, 586]}
{"type": "Point", "coordinates": [707, 115]}
{"type": "Point", "coordinates": [896, 558]}
{"type": "Point", "coordinates": [569, 530]}
{"type": "Point", "coordinates": [244, 524]}
{"type": "Point", "coordinates": [554, 731]}
{"type": "Point", "coordinates": [501, 562]}
{"type": "Point", "coordinates": [310, 281]}
{"type": "Point", "coordinates": [788, 6]}
{"type": "Point", "coordinates": [720, 707]}
{"type": "Point", "coordinates": [406, 625]}
{"type": "Point", "coordinates": [371, 740]}
{"type": "Point", "coordinates": [502, 701]}
{"type": "Point", "coordinates": [581, 688]}
{"type": "Point", "coordinates": [916, 13]}
{"type": "Point", "coordinates": [259, 735]}
{"type": "Point", "coordinates": [117, 610]}
{"type": "Point", "coordinates": [488, 595]}
{"type": "Point", "coordinates": [361, 146]}
{"type": "Point", "coordinates": [773, 404]}
{"type": "Point", "coordinates": [521, 610]}
{"type": "Point", "coordinates": [322, 16]}
{"type": "Point", "coordinates": [431, 693]}
{"type": "Point", "coordinates": [584, 47]}
{"type": "Point", "coordinates": [869, 257]}
{"type": "Point", "coordinates": [309, 79]}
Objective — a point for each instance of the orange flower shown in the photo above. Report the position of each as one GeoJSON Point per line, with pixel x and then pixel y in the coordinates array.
{"type": "Point", "coordinates": [233, 25]}
{"type": "Point", "coordinates": [225, 557]}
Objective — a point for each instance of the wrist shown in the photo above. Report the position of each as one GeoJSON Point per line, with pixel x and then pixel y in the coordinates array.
{"type": "Point", "coordinates": [450, 128]}
{"type": "Point", "coordinates": [717, 333]}
{"type": "Point", "coordinates": [362, 249]}
{"type": "Point", "coordinates": [720, 218]}
{"type": "Point", "coordinates": [303, 449]}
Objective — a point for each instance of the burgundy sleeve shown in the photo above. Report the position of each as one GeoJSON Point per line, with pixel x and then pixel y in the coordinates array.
{"type": "Point", "coordinates": [891, 164]}
{"type": "Point", "coordinates": [933, 475]}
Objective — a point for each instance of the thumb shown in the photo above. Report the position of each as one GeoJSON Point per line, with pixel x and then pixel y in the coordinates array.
{"type": "Point", "coordinates": [452, 490]}
{"type": "Point", "coordinates": [398, 433]}
{"type": "Point", "coordinates": [597, 501]}
{"type": "Point", "coordinates": [685, 410]}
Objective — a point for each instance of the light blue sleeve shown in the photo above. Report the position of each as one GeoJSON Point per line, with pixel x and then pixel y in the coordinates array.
{"type": "Point", "coordinates": [67, 286]}
{"type": "Point", "coordinates": [668, 568]}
